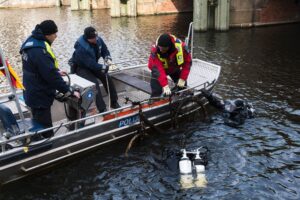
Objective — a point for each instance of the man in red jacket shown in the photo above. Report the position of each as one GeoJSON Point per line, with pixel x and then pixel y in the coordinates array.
{"type": "Point", "coordinates": [169, 57]}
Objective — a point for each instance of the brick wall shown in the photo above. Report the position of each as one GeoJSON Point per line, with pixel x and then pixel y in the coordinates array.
{"type": "Point", "coordinates": [150, 7]}
{"type": "Point", "coordinates": [173, 6]}
{"type": "Point", "coordinates": [279, 11]}
{"type": "Point", "coordinates": [100, 4]}
{"type": "Point", "coordinates": [66, 2]}
{"type": "Point", "coordinates": [261, 12]}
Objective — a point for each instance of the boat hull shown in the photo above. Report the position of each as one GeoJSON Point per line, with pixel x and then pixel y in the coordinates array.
{"type": "Point", "coordinates": [33, 158]}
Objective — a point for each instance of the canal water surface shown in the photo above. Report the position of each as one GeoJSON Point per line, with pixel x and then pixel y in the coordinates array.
{"type": "Point", "coordinates": [260, 160]}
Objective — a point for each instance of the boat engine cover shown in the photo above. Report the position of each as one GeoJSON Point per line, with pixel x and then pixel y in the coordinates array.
{"type": "Point", "coordinates": [87, 91]}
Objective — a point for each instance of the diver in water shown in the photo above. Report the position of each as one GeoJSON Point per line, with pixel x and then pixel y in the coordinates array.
{"type": "Point", "coordinates": [235, 112]}
{"type": "Point", "coordinates": [190, 164]}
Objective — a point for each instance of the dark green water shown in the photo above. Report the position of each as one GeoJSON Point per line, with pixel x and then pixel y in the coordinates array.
{"type": "Point", "coordinates": [260, 160]}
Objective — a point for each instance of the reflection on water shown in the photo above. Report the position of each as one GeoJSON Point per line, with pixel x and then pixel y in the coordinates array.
{"type": "Point", "coordinates": [261, 160]}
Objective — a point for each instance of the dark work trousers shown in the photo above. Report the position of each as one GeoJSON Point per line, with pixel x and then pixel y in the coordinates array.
{"type": "Point", "coordinates": [93, 76]}
{"type": "Point", "coordinates": [156, 89]}
{"type": "Point", "coordinates": [43, 117]}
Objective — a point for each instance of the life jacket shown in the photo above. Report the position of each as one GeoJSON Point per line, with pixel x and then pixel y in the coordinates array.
{"type": "Point", "coordinates": [49, 50]}
{"type": "Point", "coordinates": [32, 43]}
{"type": "Point", "coordinates": [179, 54]}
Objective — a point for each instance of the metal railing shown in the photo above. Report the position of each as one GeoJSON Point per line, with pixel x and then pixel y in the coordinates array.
{"type": "Point", "coordinates": [190, 38]}
{"type": "Point", "coordinates": [12, 89]}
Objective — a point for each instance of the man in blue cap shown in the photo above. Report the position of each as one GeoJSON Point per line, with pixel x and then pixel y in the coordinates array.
{"type": "Point", "coordinates": [89, 48]}
{"type": "Point", "coordinates": [41, 76]}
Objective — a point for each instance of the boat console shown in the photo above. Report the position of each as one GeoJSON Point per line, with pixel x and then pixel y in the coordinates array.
{"type": "Point", "coordinates": [14, 127]}
{"type": "Point", "coordinates": [87, 91]}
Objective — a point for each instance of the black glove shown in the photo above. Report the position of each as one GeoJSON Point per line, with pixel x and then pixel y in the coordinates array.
{"type": "Point", "coordinates": [72, 90]}
{"type": "Point", "coordinates": [72, 66]}
{"type": "Point", "coordinates": [64, 97]}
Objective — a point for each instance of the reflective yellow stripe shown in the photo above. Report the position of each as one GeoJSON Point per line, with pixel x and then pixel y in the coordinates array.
{"type": "Point", "coordinates": [179, 55]}
{"type": "Point", "coordinates": [164, 61]}
{"type": "Point", "coordinates": [49, 50]}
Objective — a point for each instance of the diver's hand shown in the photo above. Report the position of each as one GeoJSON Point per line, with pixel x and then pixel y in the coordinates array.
{"type": "Point", "coordinates": [166, 90]}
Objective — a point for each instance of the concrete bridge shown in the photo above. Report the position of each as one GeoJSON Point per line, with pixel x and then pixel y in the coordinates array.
{"type": "Point", "coordinates": [208, 14]}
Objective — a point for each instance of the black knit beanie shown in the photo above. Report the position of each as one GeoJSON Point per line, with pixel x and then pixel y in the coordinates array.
{"type": "Point", "coordinates": [48, 27]}
{"type": "Point", "coordinates": [90, 32]}
{"type": "Point", "coordinates": [164, 40]}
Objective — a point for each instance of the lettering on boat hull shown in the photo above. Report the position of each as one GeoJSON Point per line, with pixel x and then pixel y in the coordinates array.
{"type": "Point", "coordinates": [129, 121]}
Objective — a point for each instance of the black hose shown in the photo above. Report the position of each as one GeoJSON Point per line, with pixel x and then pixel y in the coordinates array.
{"type": "Point", "coordinates": [195, 100]}
{"type": "Point", "coordinates": [149, 123]}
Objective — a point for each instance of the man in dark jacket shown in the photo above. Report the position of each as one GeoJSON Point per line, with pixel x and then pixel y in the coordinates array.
{"type": "Point", "coordinates": [169, 57]}
{"type": "Point", "coordinates": [41, 76]}
{"type": "Point", "coordinates": [84, 62]}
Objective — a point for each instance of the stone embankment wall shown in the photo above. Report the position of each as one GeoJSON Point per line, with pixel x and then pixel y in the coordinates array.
{"type": "Point", "coordinates": [38, 3]}
{"type": "Point", "coordinates": [151, 7]}
{"type": "Point", "coordinates": [244, 13]}
{"type": "Point", "coordinates": [144, 7]}
{"type": "Point", "coordinates": [28, 3]}
{"type": "Point", "coordinates": [65, 2]}
{"type": "Point", "coordinates": [100, 4]}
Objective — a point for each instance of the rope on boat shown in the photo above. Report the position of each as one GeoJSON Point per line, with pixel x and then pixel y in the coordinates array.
{"type": "Point", "coordinates": [180, 109]}
{"type": "Point", "coordinates": [108, 91]}
{"type": "Point", "coordinates": [131, 143]}
{"type": "Point", "coordinates": [142, 130]}
{"type": "Point", "coordinates": [178, 113]}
